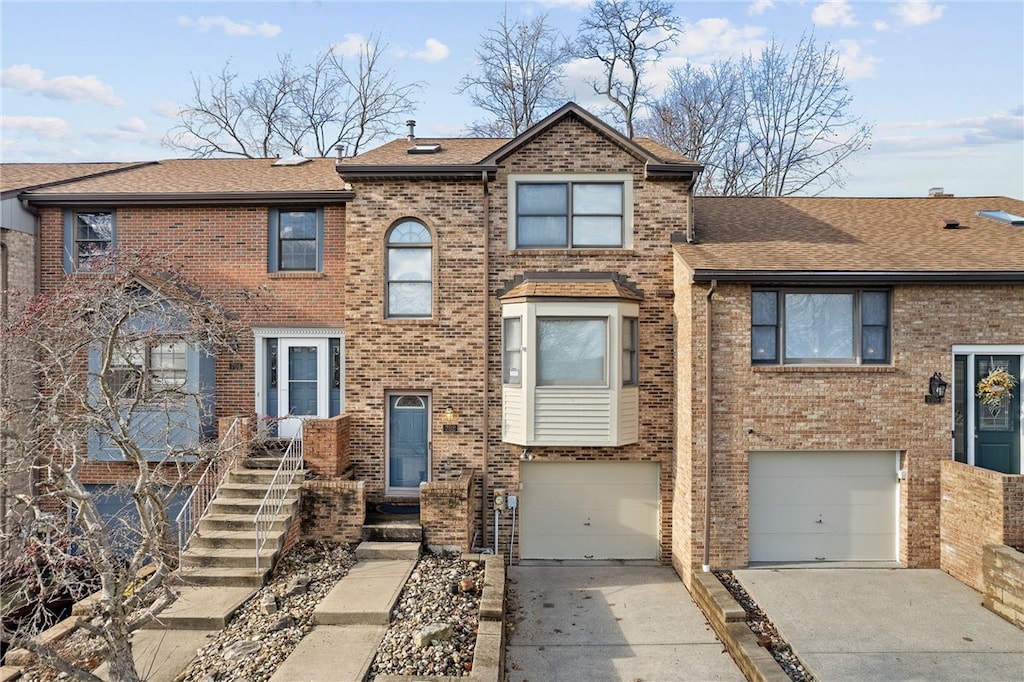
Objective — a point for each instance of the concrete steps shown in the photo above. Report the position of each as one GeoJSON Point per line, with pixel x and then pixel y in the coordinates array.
{"type": "Point", "coordinates": [393, 531]}
{"type": "Point", "coordinates": [404, 551]}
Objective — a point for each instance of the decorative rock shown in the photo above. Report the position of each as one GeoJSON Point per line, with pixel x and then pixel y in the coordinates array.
{"type": "Point", "coordinates": [240, 649]}
{"type": "Point", "coordinates": [431, 633]}
{"type": "Point", "coordinates": [297, 585]}
{"type": "Point", "coordinates": [285, 621]}
{"type": "Point", "coordinates": [269, 603]}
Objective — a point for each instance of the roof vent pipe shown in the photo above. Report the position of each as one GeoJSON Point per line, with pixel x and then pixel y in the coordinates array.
{"type": "Point", "coordinates": [412, 129]}
{"type": "Point", "coordinates": [340, 150]}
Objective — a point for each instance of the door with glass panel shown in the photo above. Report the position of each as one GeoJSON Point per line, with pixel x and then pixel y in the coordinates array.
{"type": "Point", "coordinates": [408, 443]}
{"type": "Point", "coordinates": [303, 384]}
{"type": "Point", "coordinates": [997, 421]}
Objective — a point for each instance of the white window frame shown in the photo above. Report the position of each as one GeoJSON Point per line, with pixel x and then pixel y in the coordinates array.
{"type": "Point", "coordinates": [626, 179]}
{"type": "Point", "coordinates": [422, 247]}
{"type": "Point", "coordinates": [261, 334]}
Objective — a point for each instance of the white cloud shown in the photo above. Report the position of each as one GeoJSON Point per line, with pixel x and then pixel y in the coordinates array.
{"type": "Point", "coordinates": [231, 28]}
{"type": "Point", "coordinates": [855, 63]}
{"type": "Point", "coordinates": [880, 25]}
{"type": "Point", "coordinates": [833, 13]}
{"type": "Point", "coordinates": [133, 125]}
{"type": "Point", "coordinates": [975, 131]}
{"type": "Point", "coordinates": [759, 7]}
{"type": "Point", "coordinates": [918, 12]}
{"type": "Point", "coordinates": [166, 108]}
{"type": "Point", "coordinates": [25, 78]}
{"type": "Point", "coordinates": [44, 127]}
{"type": "Point", "coordinates": [433, 51]}
{"type": "Point", "coordinates": [715, 38]}
{"type": "Point", "coordinates": [354, 44]}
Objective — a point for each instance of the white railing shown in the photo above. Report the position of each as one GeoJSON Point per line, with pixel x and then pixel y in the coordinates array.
{"type": "Point", "coordinates": [205, 489]}
{"type": "Point", "coordinates": [278, 490]}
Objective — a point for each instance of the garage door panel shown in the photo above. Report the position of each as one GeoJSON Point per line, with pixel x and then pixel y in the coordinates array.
{"type": "Point", "coordinates": [837, 506]}
{"type": "Point", "coordinates": [589, 510]}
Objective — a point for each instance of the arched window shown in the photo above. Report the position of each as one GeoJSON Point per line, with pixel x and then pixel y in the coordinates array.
{"type": "Point", "coordinates": [409, 270]}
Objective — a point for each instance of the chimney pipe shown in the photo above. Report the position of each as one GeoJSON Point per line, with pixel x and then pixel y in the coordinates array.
{"type": "Point", "coordinates": [340, 150]}
{"type": "Point", "coordinates": [412, 129]}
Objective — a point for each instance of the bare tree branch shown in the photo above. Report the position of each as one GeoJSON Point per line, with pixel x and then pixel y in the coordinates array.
{"type": "Point", "coordinates": [520, 68]}
{"type": "Point", "coordinates": [626, 37]}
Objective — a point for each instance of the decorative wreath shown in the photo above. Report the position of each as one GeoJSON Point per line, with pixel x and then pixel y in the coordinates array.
{"type": "Point", "coordinates": [995, 386]}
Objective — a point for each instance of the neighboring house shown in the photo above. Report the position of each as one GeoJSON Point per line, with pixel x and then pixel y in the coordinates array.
{"type": "Point", "coordinates": [828, 319]}
{"type": "Point", "coordinates": [19, 240]}
{"type": "Point", "coordinates": [532, 315]}
{"type": "Point", "coordinates": [270, 230]}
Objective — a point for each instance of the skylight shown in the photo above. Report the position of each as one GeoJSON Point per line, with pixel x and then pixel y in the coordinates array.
{"type": "Point", "coordinates": [296, 160]}
{"type": "Point", "coordinates": [1003, 217]}
{"type": "Point", "coordinates": [424, 149]}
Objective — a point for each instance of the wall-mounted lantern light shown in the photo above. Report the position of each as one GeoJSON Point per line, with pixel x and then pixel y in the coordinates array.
{"type": "Point", "coordinates": [449, 420]}
{"type": "Point", "coordinates": [936, 389]}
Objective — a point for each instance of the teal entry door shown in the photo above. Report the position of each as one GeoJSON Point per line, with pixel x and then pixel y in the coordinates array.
{"type": "Point", "coordinates": [997, 430]}
{"type": "Point", "coordinates": [408, 456]}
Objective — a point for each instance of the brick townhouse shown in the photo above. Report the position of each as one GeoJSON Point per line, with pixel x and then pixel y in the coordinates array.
{"type": "Point", "coordinates": [556, 317]}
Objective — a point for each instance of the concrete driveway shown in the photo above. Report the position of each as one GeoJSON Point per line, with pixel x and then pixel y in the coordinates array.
{"type": "Point", "coordinates": [598, 622]}
{"type": "Point", "coordinates": [887, 624]}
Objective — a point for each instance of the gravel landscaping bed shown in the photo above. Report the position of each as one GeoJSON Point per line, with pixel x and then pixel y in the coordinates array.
{"type": "Point", "coordinates": [442, 592]}
{"type": "Point", "coordinates": [762, 627]}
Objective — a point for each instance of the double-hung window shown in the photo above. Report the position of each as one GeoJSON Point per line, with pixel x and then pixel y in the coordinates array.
{"type": "Point", "coordinates": [806, 326]}
{"type": "Point", "coordinates": [410, 268]}
{"type": "Point", "coordinates": [570, 212]}
{"type": "Point", "coordinates": [512, 351]}
{"type": "Point", "coordinates": [89, 239]}
{"type": "Point", "coordinates": [571, 351]}
{"type": "Point", "coordinates": [296, 240]}
{"type": "Point", "coordinates": [143, 369]}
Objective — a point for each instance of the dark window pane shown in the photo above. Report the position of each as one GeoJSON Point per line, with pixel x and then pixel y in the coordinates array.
{"type": "Point", "coordinates": [763, 344]}
{"type": "Point", "coordinates": [875, 344]}
{"type": "Point", "coordinates": [95, 226]}
{"type": "Point", "coordinates": [546, 199]}
{"type": "Point", "coordinates": [541, 231]}
{"type": "Point", "coordinates": [875, 308]}
{"type": "Point", "coordinates": [298, 255]}
{"type": "Point", "coordinates": [764, 307]}
{"type": "Point", "coordinates": [298, 225]}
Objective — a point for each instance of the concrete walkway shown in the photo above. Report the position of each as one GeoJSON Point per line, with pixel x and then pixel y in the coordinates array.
{"type": "Point", "coordinates": [350, 624]}
{"type": "Point", "coordinates": [882, 624]}
{"type": "Point", "coordinates": [598, 622]}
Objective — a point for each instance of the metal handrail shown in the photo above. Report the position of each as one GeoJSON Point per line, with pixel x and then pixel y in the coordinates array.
{"type": "Point", "coordinates": [277, 491]}
{"type": "Point", "coordinates": [205, 490]}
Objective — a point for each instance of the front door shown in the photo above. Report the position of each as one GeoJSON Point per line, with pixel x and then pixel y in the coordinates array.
{"type": "Point", "coordinates": [408, 443]}
{"type": "Point", "coordinates": [997, 427]}
{"type": "Point", "coordinates": [303, 384]}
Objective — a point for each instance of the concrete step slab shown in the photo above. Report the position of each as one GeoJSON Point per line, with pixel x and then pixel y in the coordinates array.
{"type": "Point", "coordinates": [257, 491]}
{"type": "Point", "coordinates": [233, 539]}
{"type": "Point", "coordinates": [264, 476]}
{"type": "Point", "coordinates": [243, 505]}
{"type": "Point", "coordinates": [201, 608]}
{"type": "Point", "coordinates": [332, 652]}
{"type": "Point", "coordinates": [240, 522]}
{"type": "Point", "coordinates": [224, 577]}
{"type": "Point", "coordinates": [392, 532]}
{"type": "Point", "coordinates": [161, 655]}
{"type": "Point", "coordinates": [366, 595]}
{"type": "Point", "coordinates": [227, 558]}
{"type": "Point", "coordinates": [388, 550]}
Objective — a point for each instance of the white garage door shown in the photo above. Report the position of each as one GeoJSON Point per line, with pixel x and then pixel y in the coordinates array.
{"type": "Point", "coordinates": [823, 506]}
{"type": "Point", "coordinates": [588, 510]}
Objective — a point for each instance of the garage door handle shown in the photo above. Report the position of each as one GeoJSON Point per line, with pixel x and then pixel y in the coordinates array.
{"type": "Point", "coordinates": [586, 523]}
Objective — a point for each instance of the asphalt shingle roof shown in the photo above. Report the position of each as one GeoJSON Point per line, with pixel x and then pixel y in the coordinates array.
{"type": "Point", "coordinates": [854, 235]}
{"type": "Point", "coordinates": [454, 151]}
{"type": "Point", "coordinates": [22, 176]}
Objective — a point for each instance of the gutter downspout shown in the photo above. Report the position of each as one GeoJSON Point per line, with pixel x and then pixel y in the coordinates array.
{"type": "Point", "coordinates": [709, 431]}
{"type": "Point", "coordinates": [486, 313]}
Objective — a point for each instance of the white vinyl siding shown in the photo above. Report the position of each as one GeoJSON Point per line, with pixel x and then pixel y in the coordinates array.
{"type": "Point", "coordinates": [589, 510]}
{"type": "Point", "coordinates": [594, 413]}
{"type": "Point", "coordinates": [823, 506]}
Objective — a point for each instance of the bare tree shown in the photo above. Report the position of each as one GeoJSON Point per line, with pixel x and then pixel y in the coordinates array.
{"type": "Point", "coordinates": [97, 351]}
{"type": "Point", "coordinates": [776, 124]}
{"type": "Point", "coordinates": [800, 126]}
{"type": "Point", "coordinates": [626, 37]}
{"type": "Point", "coordinates": [295, 109]}
{"type": "Point", "coordinates": [519, 75]}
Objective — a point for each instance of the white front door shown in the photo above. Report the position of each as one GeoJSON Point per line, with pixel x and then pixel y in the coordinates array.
{"type": "Point", "coordinates": [303, 381]}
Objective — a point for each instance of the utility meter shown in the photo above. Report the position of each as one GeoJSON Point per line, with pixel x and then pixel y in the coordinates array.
{"type": "Point", "coordinates": [499, 499]}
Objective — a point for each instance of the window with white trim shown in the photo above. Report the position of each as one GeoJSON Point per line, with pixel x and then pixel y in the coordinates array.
{"type": "Point", "coordinates": [584, 211]}
{"type": "Point", "coordinates": [410, 288]}
{"type": "Point", "coordinates": [512, 351]}
{"type": "Point", "coordinates": [151, 368]}
{"type": "Point", "coordinates": [820, 326]}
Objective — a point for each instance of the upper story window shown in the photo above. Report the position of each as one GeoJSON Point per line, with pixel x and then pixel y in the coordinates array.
{"type": "Point", "coordinates": [838, 326]}
{"type": "Point", "coordinates": [296, 240]}
{"type": "Point", "coordinates": [570, 211]}
{"type": "Point", "coordinates": [89, 238]}
{"type": "Point", "coordinates": [409, 270]}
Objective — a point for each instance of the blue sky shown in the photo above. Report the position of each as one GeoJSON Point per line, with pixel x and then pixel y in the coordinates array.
{"type": "Point", "coordinates": [943, 82]}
